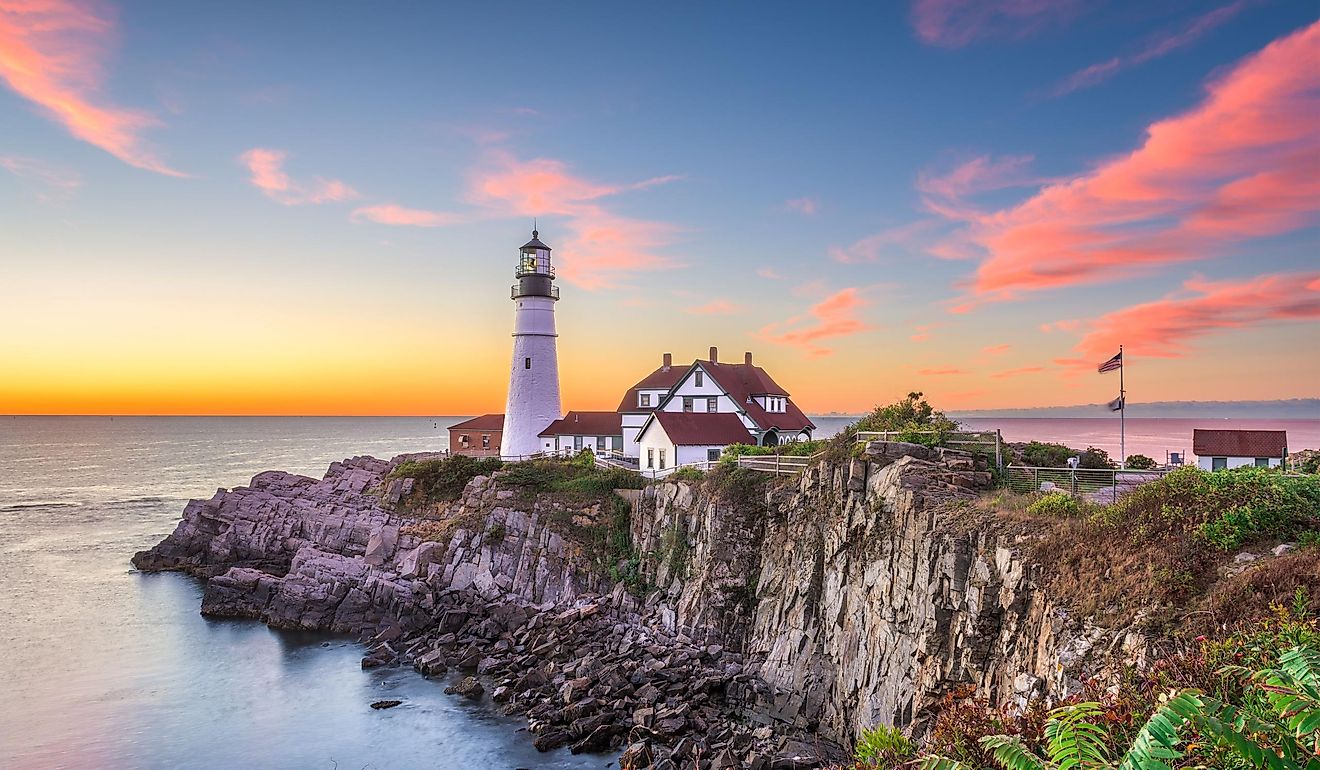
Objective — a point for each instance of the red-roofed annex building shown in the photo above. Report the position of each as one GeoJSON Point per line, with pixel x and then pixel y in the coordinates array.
{"type": "Point", "coordinates": [1222, 449]}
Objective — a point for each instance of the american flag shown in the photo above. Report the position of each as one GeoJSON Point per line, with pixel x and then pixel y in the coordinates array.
{"type": "Point", "coordinates": [1114, 363]}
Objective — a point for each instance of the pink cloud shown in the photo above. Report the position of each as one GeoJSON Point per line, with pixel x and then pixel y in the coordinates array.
{"type": "Point", "coordinates": [1166, 327]}
{"type": "Point", "coordinates": [56, 184]}
{"type": "Point", "coordinates": [806, 206]}
{"type": "Point", "coordinates": [923, 331]}
{"type": "Point", "coordinates": [266, 168]}
{"type": "Point", "coordinates": [1244, 163]}
{"type": "Point", "coordinates": [53, 52]}
{"type": "Point", "coordinates": [1066, 325]}
{"type": "Point", "coordinates": [955, 23]}
{"type": "Point", "coordinates": [891, 242]}
{"type": "Point", "coordinates": [392, 214]}
{"type": "Point", "coordinates": [1008, 373]}
{"type": "Point", "coordinates": [940, 372]}
{"type": "Point", "coordinates": [996, 350]}
{"type": "Point", "coordinates": [716, 307]}
{"type": "Point", "coordinates": [769, 273]}
{"type": "Point", "coordinates": [602, 247]}
{"type": "Point", "coordinates": [1154, 48]}
{"type": "Point", "coordinates": [832, 317]}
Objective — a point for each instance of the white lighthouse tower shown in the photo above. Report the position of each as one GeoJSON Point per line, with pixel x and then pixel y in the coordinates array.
{"type": "Point", "coordinates": [534, 372]}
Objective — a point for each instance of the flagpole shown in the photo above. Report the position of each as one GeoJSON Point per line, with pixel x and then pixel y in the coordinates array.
{"type": "Point", "coordinates": [1122, 412]}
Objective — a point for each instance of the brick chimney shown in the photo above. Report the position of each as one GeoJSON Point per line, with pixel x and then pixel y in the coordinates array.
{"type": "Point", "coordinates": [714, 354]}
{"type": "Point", "coordinates": [747, 358]}
{"type": "Point", "coordinates": [669, 361]}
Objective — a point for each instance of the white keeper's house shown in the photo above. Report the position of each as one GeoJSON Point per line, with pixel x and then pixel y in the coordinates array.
{"type": "Point", "coordinates": [686, 414]}
{"type": "Point", "coordinates": [676, 415]}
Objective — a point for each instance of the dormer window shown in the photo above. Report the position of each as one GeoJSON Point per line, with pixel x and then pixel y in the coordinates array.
{"type": "Point", "coordinates": [644, 399]}
{"type": "Point", "coordinates": [697, 379]}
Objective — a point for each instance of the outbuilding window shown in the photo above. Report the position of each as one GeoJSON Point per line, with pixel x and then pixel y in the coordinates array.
{"type": "Point", "coordinates": [1262, 462]}
{"type": "Point", "coordinates": [713, 454]}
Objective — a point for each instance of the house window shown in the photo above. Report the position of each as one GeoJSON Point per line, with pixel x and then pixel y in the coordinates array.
{"type": "Point", "coordinates": [644, 399]}
{"type": "Point", "coordinates": [662, 459]}
{"type": "Point", "coordinates": [650, 458]}
{"type": "Point", "coordinates": [712, 404]}
{"type": "Point", "coordinates": [712, 454]}
{"type": "Point", "coordinates": [687, 403]}
{"type": "Point", "coordinates": [527, 363]}
{"type": "Point", "coordinates": [577, 443]}
{"type": "Point", "coordinates": [600, 443]}
{"type": "Point", "coordinates": [485, 441]}
{"type": "Point", "coordinates": [1218, 463]}
{"type": "Point", "coordinates": [698, 378]}
{"type": "Point", "coordinates": [464, 439]}
{"type": "Point", "coordinates": [1262, 462]}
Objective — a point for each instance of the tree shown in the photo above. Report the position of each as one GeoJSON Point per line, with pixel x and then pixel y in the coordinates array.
{"type": "Point", "coordinates": [913, 413]}
{"type": "Point", "coordinates": [1139, 462]}
{"type": "Point", "coordinates": [1094, 458]}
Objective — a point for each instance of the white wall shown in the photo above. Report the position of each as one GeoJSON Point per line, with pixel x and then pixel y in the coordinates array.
{"type": "Point", "coordinates": [655, 439]}
{"type": "Point", "coordinates": [632, 423]}
{"type": "Point", "coordinates": [688, 455]}
{"type": "Point", "coordinates": [1205, 464]}
{"type": "Point", "coordinates": [533, 399]}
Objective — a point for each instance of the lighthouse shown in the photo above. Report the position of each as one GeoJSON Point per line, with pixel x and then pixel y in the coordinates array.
{"type": "Point", "coordinates": [533, 401]}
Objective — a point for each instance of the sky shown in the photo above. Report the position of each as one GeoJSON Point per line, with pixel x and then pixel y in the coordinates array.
{"type": "Point", "coordinates": [315, 208]}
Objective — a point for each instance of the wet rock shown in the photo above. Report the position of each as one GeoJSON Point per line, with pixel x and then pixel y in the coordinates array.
{"type": "Point", "coordinates": [386, 704]}
{"type": "Point", "coordinates": [468, 687]}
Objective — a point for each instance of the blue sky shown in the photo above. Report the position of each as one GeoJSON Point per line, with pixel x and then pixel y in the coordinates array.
{"type": "Point", "coordinates": [671, 152]}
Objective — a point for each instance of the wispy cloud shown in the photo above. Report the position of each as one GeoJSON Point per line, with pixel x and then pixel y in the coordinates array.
{"type": "Point", "coordinates": [922, 331]}
{"type": "Point", "coordinates": [893, 242]}
{"type": "Point", "coordinates": [53, 53]}
{"type": "Point", "coordinates": [716, 307]}
{"type": "Point", "coordinates": [807, 206]}
{"type": "Point", "coordinates": [602, 247]}
{"type": "Point", "coordinates": [1244, 163]}
{"type": "Point", "coordinates": [393, 214]}
{"type": "Point", "coordinates": [266, 168]}
{"type": "Point", "coordinates": [1167, 327]}
{"type": "Point", "coordinates": [833, 317]}
{"type": "Point", "coordinates": [769, 273]}
{"type": "Point", "coordinates": [955, 23]}
{"type": "Point", "coordinates": [1153, 48]}
{"type": "Point", "coordinates": [1019, 372]}
{"type": "Point", "coordinates": [54, 183]}
{"type": "Point", "coordinates": [940, 372]}
{"type": "Point", "coordinates": [996, 350]}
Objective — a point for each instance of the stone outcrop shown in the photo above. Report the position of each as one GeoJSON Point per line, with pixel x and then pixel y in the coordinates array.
{"type": "Point", "coordinates": [782, 620]}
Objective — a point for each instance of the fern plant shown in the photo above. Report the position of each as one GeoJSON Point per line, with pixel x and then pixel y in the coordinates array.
{"type": "Point", "coordinates": [1075, 740]}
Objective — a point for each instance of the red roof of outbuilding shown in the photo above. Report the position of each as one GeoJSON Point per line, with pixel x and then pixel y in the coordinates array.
{"type": "Point", "coordinates": [701, 428]}
{"type": "Point", "coordinates": [663, 378]}
{"type": "Point", "coordinates": [586, 424]}
{"type": "Point", "coordinates": [484, 422]}
{"type": "Point", "coordinates": [1239, 443]}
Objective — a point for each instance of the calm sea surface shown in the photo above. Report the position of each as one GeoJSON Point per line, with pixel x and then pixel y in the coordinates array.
{"type": "Point", "coordinates": [104, 668]}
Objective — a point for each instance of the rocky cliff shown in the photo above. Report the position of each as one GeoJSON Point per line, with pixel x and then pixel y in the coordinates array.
{"type": "Point", "coordinates": [865, 590]}
{"type": "Point", "coordinates": [777, 618]}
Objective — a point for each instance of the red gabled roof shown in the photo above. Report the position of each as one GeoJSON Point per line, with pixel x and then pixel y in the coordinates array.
{"type": "Point", "coordinates": [701, 428]}
{"type": "Point", "coordinates": [663, 378]}
{"type": "Point", "coordinates": [742, 381]}
{"type": "Point", "coordinates": [484, 422]}
{"type": "Point", "coordinates": [586, 424]}
{"type": "Point", "coordinates": [1239, 443]}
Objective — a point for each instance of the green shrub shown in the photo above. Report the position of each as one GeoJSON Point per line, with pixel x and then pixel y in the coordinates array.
{"type": "Point", "coordinates": [788, 449]}
{"type": "Point", "coordinates": [443, 480]}
{"type": "Point", "coordinates": [1139, 463]}
{"type": "Point", "coordinates": [687, 473]}
{"type": "Point", "coordinates": [910, 414]}
{"type": "Point", "coordinates": [1044, 455]}
{"type": "Point", "coordinates": [1308, 538]}
{"type": "Point", "coordinates": [883, 746]}
{"type": "Point", "coordinates": [1095, 458]}
{"type": "Point", "coordinates": [1059, 505]}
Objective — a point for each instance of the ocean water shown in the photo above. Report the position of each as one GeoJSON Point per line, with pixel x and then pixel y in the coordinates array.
{"type": "Point", "coordinates": [103, 668]}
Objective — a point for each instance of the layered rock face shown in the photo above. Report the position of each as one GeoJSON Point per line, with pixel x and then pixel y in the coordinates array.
{"type": "Point", "coordinates": [866, 591]}
{"type": "Point", "coordinates": [784, 618]}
